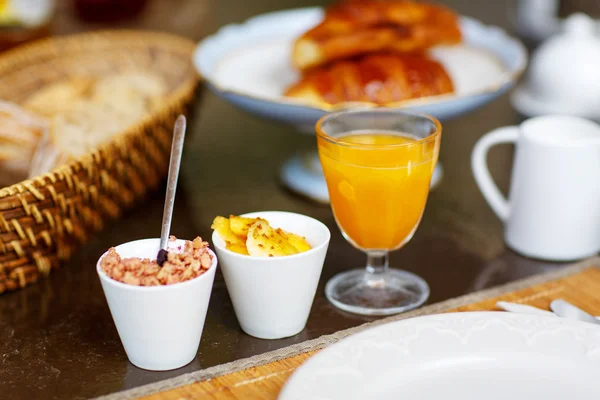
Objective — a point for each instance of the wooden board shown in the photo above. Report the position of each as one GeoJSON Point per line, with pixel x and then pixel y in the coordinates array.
{"type": "Point", "coordinates": [265, 381]}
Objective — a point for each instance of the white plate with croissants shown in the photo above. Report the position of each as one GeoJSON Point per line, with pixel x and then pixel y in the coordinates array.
{"type": "Point", "coordinates": [296, 65]}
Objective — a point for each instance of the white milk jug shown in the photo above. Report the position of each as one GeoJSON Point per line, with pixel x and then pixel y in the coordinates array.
{"type": "Point", "coordinates": [553, 209]}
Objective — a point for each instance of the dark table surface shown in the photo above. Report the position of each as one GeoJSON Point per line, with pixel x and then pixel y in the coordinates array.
{"type": "Point", "coordinates": [57, 338]}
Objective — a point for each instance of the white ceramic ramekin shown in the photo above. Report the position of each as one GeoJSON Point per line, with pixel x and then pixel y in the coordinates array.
{"type": "Point", "coordinates": [160, 326]}
{"type": "Point", "coordinates": [272, 296]}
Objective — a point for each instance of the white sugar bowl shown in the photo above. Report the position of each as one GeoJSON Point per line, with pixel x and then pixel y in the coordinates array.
{"type": "Point", "coordinates": [564, 73]}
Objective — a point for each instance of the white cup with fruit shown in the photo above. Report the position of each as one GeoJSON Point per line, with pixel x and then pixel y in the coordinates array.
{"type": "Point", "coordinates": [271, 262]}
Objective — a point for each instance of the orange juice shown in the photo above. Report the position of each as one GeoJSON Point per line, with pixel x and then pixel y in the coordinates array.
{"type": "Point", "coordinates": [378, 184]}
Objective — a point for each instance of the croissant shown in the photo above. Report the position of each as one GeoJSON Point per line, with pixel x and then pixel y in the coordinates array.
{"type": "Point", "coordinates": [376, 78]}
{"type": "Point", "coordinates": [355, 27]}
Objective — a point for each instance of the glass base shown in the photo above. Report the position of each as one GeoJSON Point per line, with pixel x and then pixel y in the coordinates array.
{"type": "Point", "coordinates": [390, 292]}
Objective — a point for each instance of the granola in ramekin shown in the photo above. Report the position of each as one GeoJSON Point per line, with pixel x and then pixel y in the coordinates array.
{"type": "Point", "coordinates": [183, 263]}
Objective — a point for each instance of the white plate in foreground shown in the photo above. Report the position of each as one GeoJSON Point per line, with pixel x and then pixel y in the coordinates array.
{"type": "Point", "coordinates": [466, 356]}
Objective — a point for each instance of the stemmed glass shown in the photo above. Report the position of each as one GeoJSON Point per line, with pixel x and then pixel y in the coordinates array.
{"type": "Point", "coordinates": [378, 165]}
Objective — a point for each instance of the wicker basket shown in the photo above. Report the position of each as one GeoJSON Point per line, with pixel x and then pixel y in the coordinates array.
{"type": "Point", "coordinates": [44, 219]}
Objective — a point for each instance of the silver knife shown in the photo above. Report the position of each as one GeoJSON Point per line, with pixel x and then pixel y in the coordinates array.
{"type": "Point", "coordinates": [567, 310]}
{"type": "Point", "coordinates": [522, 308]}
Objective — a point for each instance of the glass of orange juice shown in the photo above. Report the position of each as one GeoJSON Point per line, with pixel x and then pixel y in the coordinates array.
{"type": "Point", "coordinates": [378, 165]}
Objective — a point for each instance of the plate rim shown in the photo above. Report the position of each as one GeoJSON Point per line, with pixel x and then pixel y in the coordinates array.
{"type": "Point", "coordinates": [526, 103]}
{"type": "Point", "coordinates": [511, 76]}
{"type": "Point", "coordinates": [286, 394]}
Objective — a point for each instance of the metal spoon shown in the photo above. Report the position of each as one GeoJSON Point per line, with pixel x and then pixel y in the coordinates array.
{"type": "Point", "coordinates": [174, 164]}
{"type": "Point", "coordinates": [567, 310]}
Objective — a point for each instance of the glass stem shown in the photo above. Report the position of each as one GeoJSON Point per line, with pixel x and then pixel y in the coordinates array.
{"type": "Point", "coordinates": [377, 262]}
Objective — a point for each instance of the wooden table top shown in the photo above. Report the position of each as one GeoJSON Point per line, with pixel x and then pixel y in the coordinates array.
{"type": "Point", "coordinates": [57, 338]}
{"type": "Point", "coordinates": [265, 381]}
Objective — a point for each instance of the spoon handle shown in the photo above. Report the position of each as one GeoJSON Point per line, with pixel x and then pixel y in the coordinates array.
{"type": "Point", "coordinates": [567, 310]}
{"type": "Point", "coordinates": [174, 164]}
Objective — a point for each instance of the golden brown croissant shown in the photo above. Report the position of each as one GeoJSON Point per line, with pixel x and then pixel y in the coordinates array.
{"type": "Point", "coordinates": [355, 27]}
{"type": "Point", "coordinates": [377, 78]}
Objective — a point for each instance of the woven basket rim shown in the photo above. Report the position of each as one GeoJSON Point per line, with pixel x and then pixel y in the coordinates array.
{"type": "Point", "coordinates": [120, 33]}
{"type": "Point", "coordinates": [148, 37]}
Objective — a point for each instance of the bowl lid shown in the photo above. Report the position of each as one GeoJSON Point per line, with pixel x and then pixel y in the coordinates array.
{"type": "Point", "coordinates": [563, 74]}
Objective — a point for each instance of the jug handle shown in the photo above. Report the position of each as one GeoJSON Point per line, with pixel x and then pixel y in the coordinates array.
{"type": "Point", "coordinates": [487, 186]}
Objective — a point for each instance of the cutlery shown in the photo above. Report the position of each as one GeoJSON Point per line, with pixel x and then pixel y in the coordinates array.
{"type": "Point", "coordinates": [174, 164]}
{"type": "Point", "coordinates": [567, 310]}
{"type": "Point", "coordinates": [521, 308]}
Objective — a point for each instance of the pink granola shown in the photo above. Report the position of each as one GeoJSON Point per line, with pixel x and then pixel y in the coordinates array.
{"type": "Point", "coordinates": [181, 265]}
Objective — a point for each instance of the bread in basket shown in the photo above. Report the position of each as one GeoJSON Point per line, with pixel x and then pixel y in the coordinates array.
{"type": "Point", "coordinates": [43, 219]}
